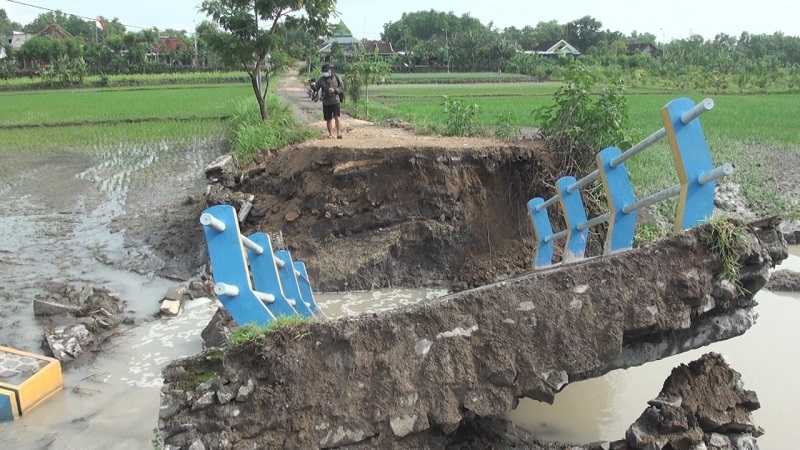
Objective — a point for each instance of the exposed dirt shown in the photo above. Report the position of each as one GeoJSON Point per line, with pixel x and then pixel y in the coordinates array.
{"type": "Point", "coordinates": [385, 207]}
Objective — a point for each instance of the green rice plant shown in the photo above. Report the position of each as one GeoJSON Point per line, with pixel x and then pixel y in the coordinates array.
{"type": "Point", "coordinates": [46, 108]}
{"type": "Point", "coordinates": [729, 240]}
{"type": "Point", "coordinates": [26, 83]}
{"type": "Point", "coordinates": [251, 332]}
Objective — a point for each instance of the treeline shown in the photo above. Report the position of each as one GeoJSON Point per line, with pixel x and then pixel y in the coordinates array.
{"type": "Point", "coordinates": [435, 40]}
{"type": "Point", "coordinates": [63, 49]}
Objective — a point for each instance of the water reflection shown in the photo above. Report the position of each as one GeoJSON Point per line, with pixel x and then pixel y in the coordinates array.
{"type": "Point", "coordinates": [603, 408]}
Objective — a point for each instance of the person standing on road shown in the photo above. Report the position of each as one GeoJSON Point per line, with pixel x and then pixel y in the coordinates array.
{"type": "Point", "coordinates": [332, 87]}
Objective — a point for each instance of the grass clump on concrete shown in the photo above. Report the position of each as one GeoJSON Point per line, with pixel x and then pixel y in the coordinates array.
{"type": "Point", "coordinates": [728, 238]}
{"type": "Point", "coordinates": [251, 331]}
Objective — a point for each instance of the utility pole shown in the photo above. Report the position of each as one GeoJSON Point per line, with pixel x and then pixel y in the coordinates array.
{"type": "Point", "coordinates": [194, 61]}
{"type": "Point", "coordinates": [447, 49]}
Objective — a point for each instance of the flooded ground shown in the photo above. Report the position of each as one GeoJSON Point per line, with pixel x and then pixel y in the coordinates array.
{"type": "Point", "coordinates": [766, 356]}
{"type": "Point", "coordinates": [58, 224]}
{"type": "Point", "coordinates": [57, 221]}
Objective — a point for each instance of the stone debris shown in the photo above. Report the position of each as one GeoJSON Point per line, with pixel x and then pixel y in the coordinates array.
{"type": "Point", "coordinates": [79, 318]}
{"type": "Point", "coordinates": [791, 231]}
{"type": "Point", "coordinates": [729, 198]}
{"type": "Point", "coordinates": [173, 300]}
{"type": "Point", "coordinates": [81, 301]}
{"type": "Point", "coordinates": [219, 329]}
{"type": "Point", "coordinates": [784, 280]}
{"type": "Point", "coordinates": [67, 343]}
{"type": "Point", "coordinates": [702, 405]}
{"type": "Point", "coordinates": [224, 170]}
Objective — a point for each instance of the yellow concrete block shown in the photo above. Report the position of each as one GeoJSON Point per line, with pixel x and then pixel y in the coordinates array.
{"type": "Point", "coordinates": [35, 379]}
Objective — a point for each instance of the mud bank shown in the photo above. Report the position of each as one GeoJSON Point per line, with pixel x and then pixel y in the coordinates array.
{"type": "Point", "coordinates": [405, 378]}
{"type": "Point", "coordinates": [437, 212]}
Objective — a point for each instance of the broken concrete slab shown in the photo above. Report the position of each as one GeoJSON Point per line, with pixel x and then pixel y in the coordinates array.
{"type": "Point", "coordinates": [79, 318]}
{"type": "Point", "coordinates": [225, 170]}
{"type": "Point", "coordinates": [784, 280]}
{"type": "Point", "coordinates": [173, 300]}
{"type": "Point", "coordinates": [364, 381]}
{"type": "Point", "coordinates": [69, 342]}
{"type": "Point", "coordinates": [701, 404]}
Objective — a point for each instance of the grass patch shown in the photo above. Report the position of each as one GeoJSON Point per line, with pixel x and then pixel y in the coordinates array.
{"type": "Point", "coordinates": [728, 239]}
{"type": "Point", "coordinates": [251, 332]}
{"type": "Point", "coordinates": [249, 135]}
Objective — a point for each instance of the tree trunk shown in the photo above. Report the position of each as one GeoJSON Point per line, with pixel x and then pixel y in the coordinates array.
{"type": "Point", "coordinates": [262, 105]}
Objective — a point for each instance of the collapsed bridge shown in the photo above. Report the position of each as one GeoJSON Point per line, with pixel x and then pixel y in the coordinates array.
{"type": "Point", "coordinates": [409, 378]}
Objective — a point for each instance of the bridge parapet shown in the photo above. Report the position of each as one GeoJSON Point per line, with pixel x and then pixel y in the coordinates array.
{"type": "Point", "coordinates": [255, 284]}
{"type": "Point", "coordinates": [696, 173]}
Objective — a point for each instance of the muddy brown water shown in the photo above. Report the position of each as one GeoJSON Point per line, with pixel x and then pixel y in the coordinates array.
{"type": "Point", "coordinates": [56, 226]}
{"type": "Point", "coordinates": [766, 356]}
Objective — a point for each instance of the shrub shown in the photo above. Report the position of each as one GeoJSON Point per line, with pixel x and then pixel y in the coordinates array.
{"type": "Point", "coordinates": [459, 117]}
{"type": "Point", "coordinates": [507, 128]}
{"type": "Point", "coordinates": [580, 124]}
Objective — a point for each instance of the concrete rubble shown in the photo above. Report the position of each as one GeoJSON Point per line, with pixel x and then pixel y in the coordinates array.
{"type": "Point", "coordinates": [78, 318]}
{"type": "Point", "coordinates": [413, 377]}
{"type": "Point", "coordinates": [784, 280]}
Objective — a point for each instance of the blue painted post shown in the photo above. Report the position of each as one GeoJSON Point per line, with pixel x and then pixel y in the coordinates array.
{"type": "Point", "coordinates": [265, 277]}
{"type": "Point", "coordinates": [289, 280]}
{"type": "Point", "coordinates": [229, 266]}
{"type": "Point", "coordinates": [617, 184]}
{"type": "Point", "coordinates": [575, 214]}
{"type": "Point", "coordinates": [543, 230]}
{"type": "Point", "coordinates": [692, 159]}
{"type": "Point", "coordinates": [305, 287]}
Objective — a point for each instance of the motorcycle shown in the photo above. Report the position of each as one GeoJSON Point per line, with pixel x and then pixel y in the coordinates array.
{"type": "Point", "coordinates": [313, 92]}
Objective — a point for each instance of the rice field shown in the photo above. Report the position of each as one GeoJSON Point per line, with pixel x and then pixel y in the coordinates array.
{"type": "Point", "coordinates": [85, 119]}
{"type": "Point", "coordinates": [20, 83]}
{"type": "Point", "coordinates": [734, 128]}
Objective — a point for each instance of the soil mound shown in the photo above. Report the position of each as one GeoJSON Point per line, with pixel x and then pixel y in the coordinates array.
{"type": "Point", "coordinates": [413, 211]}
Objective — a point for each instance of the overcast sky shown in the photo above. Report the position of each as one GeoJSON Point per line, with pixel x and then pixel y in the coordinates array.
{"type": "Point", "coordinates": [667, 20]}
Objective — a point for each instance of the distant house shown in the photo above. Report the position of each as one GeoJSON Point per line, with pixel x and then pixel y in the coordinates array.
{"type": "Point", "coordinates": [385, 49]}
{"type": "Point", "coordinates": [557, 47]}
{"type": "Point", "coordinates": [647, 49]}
{"type": "Point", "coordinates": [170, 50]}
{"type": "Point", "coordinates": [16, 39]}
{"type": "Point", "coordinates": [342, 37]}
{"type": "Point", "coordinates": [2, 53]}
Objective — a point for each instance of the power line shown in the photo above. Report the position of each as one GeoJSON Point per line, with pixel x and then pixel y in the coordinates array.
{"type": "Point", "coordinates": [94, 18]}
{"type": "Point", "coordinates": [70, 14]}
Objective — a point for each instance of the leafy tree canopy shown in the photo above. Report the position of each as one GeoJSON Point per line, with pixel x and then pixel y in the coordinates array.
{"type": "Point", "coordinates": [251, 31]}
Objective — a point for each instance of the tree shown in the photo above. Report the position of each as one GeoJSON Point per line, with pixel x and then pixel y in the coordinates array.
{"type": "Point", "coordinates": [6, 25]}
{"type": "Point", "coordinates": [246, 43]}
{"type": "Point", "coordinates": [584, 33]}
{"type": "Point", "coordinates": [363, 71]}
{"type": "Point", "coordinates": [641, 38]}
